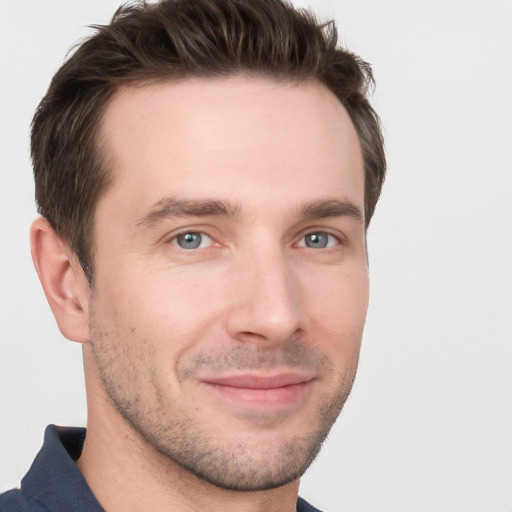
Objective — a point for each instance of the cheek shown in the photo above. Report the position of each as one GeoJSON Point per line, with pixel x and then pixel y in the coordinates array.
{"type": "Point", "coordinates": [172, 309]}
{"type": "Point", "coordinates": [338, 309]}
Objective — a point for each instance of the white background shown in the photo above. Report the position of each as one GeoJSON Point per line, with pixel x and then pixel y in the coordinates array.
{"type": "Point", "coordinates": [429, 424]}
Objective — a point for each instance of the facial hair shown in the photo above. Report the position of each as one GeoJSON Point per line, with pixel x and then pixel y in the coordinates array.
{"type": "Point", "coordinates": [130, 375]}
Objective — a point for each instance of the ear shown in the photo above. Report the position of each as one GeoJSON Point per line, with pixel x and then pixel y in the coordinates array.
{"type": "Point", "coordinates": [64, 283]}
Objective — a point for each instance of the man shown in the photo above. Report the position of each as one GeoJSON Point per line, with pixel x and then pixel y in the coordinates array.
{"type": "Point", "coordinates": [206, 171]}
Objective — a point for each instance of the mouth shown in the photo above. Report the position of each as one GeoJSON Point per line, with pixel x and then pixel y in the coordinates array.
{"type": "Point", "coordinates": [262, 391]}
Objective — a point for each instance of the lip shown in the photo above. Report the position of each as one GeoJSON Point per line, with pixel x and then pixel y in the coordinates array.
{"type": "Point", "coordinates": [254, 381]}
{"type": "Point", "coordinates": [261, 391]}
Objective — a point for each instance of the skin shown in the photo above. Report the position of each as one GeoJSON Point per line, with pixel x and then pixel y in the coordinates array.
{"type": "Point", "coordinates": [214, 372]}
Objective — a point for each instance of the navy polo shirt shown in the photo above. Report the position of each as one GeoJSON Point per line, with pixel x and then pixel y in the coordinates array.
{"type": "Point", "coordinates": [54, 482]}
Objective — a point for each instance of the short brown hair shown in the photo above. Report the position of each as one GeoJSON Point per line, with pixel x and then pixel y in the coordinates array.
{"type": "Point", "coordinates": [176, 39]}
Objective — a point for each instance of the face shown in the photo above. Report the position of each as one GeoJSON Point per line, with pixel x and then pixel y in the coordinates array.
{"type": "Point", "coordinates": [231, 281]}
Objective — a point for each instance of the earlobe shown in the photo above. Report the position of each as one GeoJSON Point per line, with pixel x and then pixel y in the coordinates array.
{"type": "Point", "coordinates": [63, 280]}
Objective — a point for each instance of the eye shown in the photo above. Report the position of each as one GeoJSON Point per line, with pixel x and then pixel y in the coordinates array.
{"type": "Point", "coordinates": [318, 240]}
{"type": "Point", "coordinates": [192, 240]}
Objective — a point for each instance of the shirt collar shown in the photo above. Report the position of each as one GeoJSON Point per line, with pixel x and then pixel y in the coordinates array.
{"type": "Point", "coordinates": [54, 480]}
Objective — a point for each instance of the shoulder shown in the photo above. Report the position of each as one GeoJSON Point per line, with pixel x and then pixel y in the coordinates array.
{"type": "Point", "coordinates": [53, 482]}
{"type": "Point", "coordinates": [13, 501]}
{"type": "Point", "coordinates": [304, 506]}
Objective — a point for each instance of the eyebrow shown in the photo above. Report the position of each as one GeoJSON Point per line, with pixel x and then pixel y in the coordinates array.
{"type": "Point", "coordinates": [325, 208]}
{"type": "Point", "coordinates": [174, 207]}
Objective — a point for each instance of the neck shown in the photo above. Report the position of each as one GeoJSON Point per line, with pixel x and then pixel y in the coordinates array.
{"type": "Point", "coordinates": [127, 474]}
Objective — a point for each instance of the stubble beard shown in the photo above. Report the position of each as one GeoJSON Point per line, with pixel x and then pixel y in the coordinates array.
{"type": "Point", "coordinates": [128, 373]}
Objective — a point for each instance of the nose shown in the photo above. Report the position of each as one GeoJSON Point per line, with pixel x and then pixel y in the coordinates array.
{"type": "Point", "coordinates": [265, 306]}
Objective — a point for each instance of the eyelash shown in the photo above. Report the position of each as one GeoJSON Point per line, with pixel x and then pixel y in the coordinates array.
{"type": "Point", "coordinates": [175, 238]}
{"type": "Point", "coordinates": [319, 232]}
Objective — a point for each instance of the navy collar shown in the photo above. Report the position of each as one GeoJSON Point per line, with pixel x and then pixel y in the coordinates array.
{"type": "Point", "coordinates": [54, 480]}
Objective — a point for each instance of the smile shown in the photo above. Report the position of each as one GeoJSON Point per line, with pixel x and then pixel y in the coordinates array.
{"type": "Point", "coordinates": [257, 391]}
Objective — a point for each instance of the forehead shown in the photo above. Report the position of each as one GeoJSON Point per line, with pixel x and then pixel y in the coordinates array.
{"type": "Point", "coordinates": [206, 137]}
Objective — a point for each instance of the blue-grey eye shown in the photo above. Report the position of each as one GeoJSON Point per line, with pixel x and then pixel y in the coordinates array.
{"type": "Point", "coordinates": [192, 240]}
{"type": "Point", "coordinates": [318, 240]}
